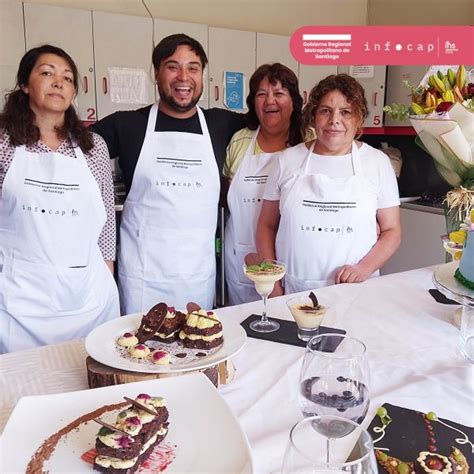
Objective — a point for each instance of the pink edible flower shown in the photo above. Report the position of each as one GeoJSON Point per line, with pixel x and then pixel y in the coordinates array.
{"type": "Point", "coordinates": [125, 441]}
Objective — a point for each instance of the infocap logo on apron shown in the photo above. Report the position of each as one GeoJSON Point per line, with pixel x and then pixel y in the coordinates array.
{"type": "Point", "coordinates": [325, 223]}
{"type": "Point", "coordinates": [245, 201]}
{"type": "Point", "coordinates": [54, 283]}
{"type": "Point", "coordinates": [167, 234]}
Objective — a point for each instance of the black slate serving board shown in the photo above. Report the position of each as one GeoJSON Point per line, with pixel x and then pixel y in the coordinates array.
{"type": "Point", "coordinates": [288, 332]}
{"type": "Point", "coordinates": [406, 436]}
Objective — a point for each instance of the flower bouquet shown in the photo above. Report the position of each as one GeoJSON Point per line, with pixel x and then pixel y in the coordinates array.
{"type": "Point", "coordinates": [442, 114]}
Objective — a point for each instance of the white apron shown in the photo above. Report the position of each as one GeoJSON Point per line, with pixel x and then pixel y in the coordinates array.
{"type": "Point", "coordinates": [167, 234]}
{"type": "Point", "coordinates": [54, 283]}
{"type": "Point", "coordinates": [245, 201]}
{"type": "Point", "coordinates": [325, 223]}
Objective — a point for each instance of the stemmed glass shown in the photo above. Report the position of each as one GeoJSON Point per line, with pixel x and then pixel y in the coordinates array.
{"type": "Point", "coordinates": [306, 450]}
{"type": "Point", "coordinates": [265, 275]}
{"type": "Point", "coordinates": [334, 381]}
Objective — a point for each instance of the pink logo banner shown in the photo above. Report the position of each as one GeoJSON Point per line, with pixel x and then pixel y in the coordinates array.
{"type": "Point", "coordinates": [383, 45]}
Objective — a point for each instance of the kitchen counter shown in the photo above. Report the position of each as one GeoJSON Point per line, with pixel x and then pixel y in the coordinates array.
{"type": "Point", "coordinates": [423, 207]}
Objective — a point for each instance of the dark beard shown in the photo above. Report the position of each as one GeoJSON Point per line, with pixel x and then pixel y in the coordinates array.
{"type": "Point", "coordinates": [174, 105]}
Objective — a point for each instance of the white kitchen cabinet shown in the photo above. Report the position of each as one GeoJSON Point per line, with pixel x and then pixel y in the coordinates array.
{"type": "Point", "coordinates": [232, 51]}
{"type": "Point", "coordinates": [397, 92]}
{"type": "Point", "coordinates": [199, 32]}
{"type": "Point", "coordinates": [275, 49]}
{"type": "Point", "coordinates": [11, 34]}
{"type": "Point", "coordinates": [374, 86]}
{"type": "Point", "coordinates": [309, 76]}
{"type": "Point", "coordinates": [71, 30]}
{"type": "Point", "coordinates": [123, 46]}
{"type": "Point", "coordinates": [421, 244]}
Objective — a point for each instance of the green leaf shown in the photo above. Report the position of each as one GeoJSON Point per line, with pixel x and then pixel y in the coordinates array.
{"type": "Point", "coordinates": [398, 112]}
{"type": "Point", "coordinates": [253, 268]}
{"type": "Point", "coordinates": [105, 431]}
{"type": "Point", "coordinates": [386, 420]}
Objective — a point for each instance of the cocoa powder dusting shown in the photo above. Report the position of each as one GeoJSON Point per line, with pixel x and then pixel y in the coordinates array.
{"type": "Point", "coordinates": [43, 453]}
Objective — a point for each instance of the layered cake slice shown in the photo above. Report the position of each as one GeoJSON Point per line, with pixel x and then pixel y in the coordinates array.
{"type": "Point", "coordinates": [137, 430]}
{"type": "Point", "coordinates": [151, 322]}
{"type": "Point", "coordinates": [169, 330]}
{"type": "Point", "coordinates": [202, 330]}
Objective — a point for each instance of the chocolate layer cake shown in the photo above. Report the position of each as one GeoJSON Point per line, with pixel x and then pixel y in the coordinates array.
{"type": "Point", "coordinates": [169, 330]}
{"type": "Point", "coordinates": [138, 431]}
{"type": "Point", "coordinates": [413, 442]}
{"type": "Point", "coordinates": [151, 322]}
{"type": "Point", "coordinates": [202, 330]}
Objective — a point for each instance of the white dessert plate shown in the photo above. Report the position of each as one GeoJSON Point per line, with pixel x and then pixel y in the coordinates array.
{"type": "Point", "coordinates": [444, 280]}
{"type": "Point", "coordinates": [100, 345]}
{"type": "Point", "coordinates": [203, 436]}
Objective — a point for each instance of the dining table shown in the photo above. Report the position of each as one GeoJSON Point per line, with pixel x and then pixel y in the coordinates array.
{"type": "Point", "coordinates": [412, 347]}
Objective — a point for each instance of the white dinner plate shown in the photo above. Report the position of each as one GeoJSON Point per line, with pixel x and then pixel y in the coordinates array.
{"type": "Point", "coordinates": [445, 282]}
{"type": "Point", "coordinates": [100, 345]}
{"type": "Point", "coordinates": [203, 436]}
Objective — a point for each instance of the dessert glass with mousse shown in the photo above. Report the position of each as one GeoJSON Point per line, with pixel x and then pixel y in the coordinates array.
{"type": "Point", "coordinates": [265, 275]}
{"type": "Point", "coordinates": [307, 315]}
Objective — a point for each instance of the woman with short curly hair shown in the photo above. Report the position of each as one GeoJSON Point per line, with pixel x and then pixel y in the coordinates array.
{"type": "Point", "coordinates": [331, 206]}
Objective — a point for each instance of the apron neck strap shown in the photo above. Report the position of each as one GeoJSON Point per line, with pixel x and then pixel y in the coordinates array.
{"type": "Point", "coordinates": [202, 121]}
{"type": "Point", "coordinates": [356, 159]}
{"type": "Point", "coordinates": [308, 157]}
{"type": "Point", "coordinates": [150, 126]}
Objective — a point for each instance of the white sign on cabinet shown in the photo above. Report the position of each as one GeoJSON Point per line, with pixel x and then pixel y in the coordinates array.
{"type": "Point", "coordinates": [229, 50]}
{"type": "Point", "coordinates": [121, 41]}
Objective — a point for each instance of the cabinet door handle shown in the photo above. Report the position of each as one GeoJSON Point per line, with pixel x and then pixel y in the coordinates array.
{"type": "Point", "coordinates": [375, 99]}
{"type": "Point", "coordinates": [216, 92]}
{"type": "Point", "coordinates": [104, 85]}
{"type": "Point", "coordinates": [305, 97]}
{"type": "Point", "coordinates": [85, 85]}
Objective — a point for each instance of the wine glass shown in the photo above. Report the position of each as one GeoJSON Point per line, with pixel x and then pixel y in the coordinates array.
{"type": "Point", "coordinates": [265, 275]}
{"type": "Point", "coordinates": [351, 452]}
{"type": "Point", "coordinates": [334, 379]}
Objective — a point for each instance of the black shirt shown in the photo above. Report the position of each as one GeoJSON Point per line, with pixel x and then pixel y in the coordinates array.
{"type": "Point", "coordinates": [124, 133]}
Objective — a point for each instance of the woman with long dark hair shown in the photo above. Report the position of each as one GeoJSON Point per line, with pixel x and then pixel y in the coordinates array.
{"type": "Point", "coordinates": [57, 220]}
{"type": "Point", "coordinates": [274, 123]}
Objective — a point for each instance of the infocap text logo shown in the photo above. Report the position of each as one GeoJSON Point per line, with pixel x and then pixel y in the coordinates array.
{"type": "Point", "coordinates": [383, 45]}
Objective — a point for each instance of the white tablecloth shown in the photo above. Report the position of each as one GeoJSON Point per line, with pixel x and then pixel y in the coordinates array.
{"type": "Point", "coordinates": [412, 345]}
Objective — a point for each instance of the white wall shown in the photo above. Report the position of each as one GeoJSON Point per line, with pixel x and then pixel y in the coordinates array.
{"type": "Point", "coordinates": [285, 16]}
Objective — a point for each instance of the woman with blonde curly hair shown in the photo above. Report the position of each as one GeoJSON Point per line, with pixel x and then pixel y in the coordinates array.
{"type": "Point", "coordinates": [331, 205]}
